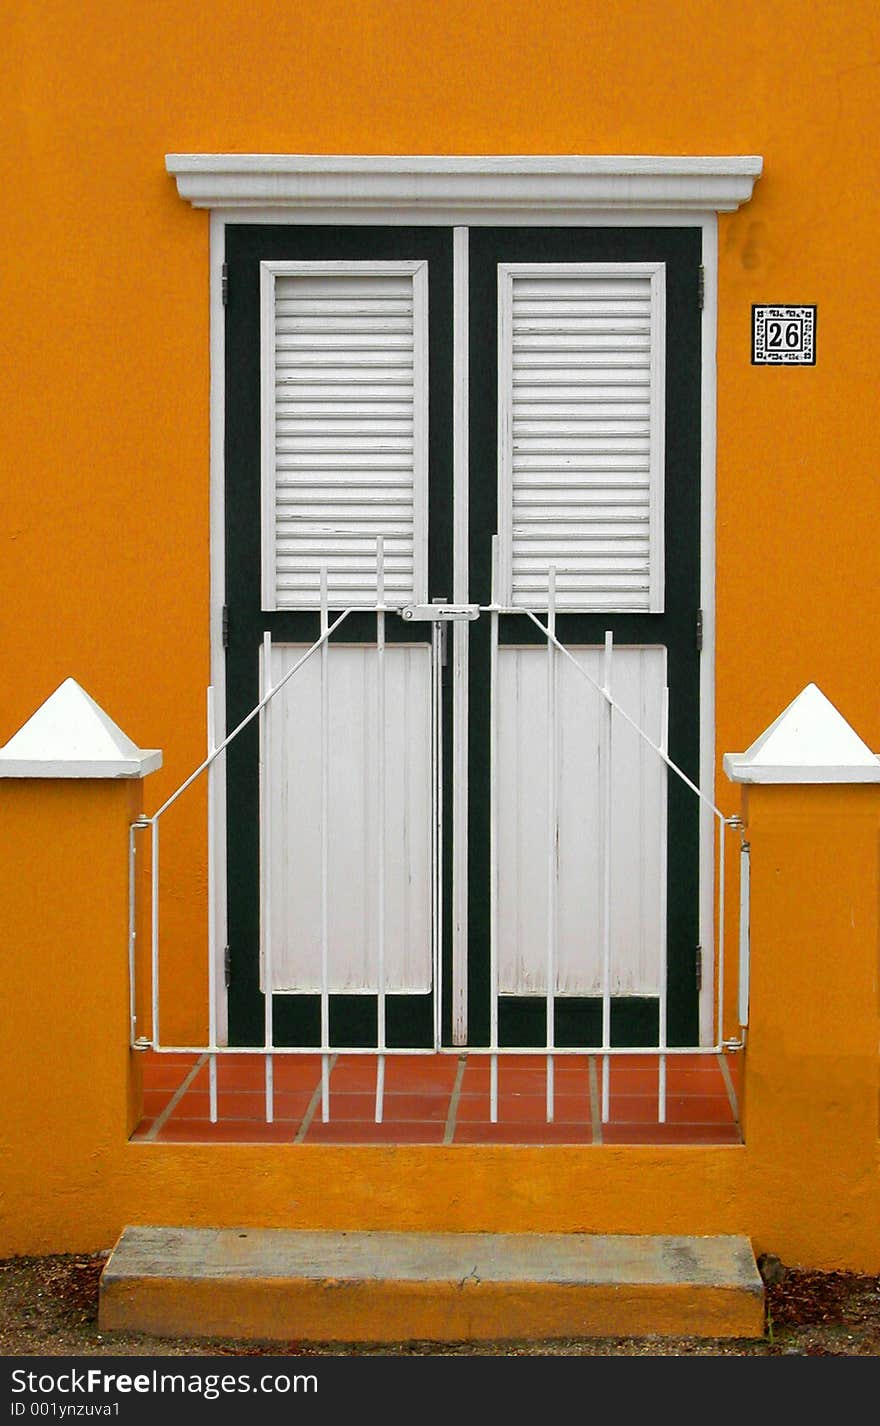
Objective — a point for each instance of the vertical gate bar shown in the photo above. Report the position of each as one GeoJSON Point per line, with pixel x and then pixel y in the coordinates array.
{"type": "Point", "coordinates": [493, 843]}
{"type": "Point", "coordinates": [460, 633]}
{"type": "Point", "coordinates": [745, 871]}
{"type": "Point", "coordinates": [437, 639]}
{"type": "Point", "coordinates": [380, 834]}
{"type": "Point", "coordinates": [154, 936]}
{"type": "Point", "coordinates": [266, 859]}
{"type": "Point", "coordinates": [132, 934]}
{"type": "Point", "coordinates": [380, 1088]}
{"type": "Point", "coordinates": [437, 783]}
{"type": "Point", "coordinates": [722, 903]}
{"type": "Point", "coordinates": [606, 879]}
{"type": "Point", "coordinates": [552, 712]}
{"type": "Point", "coordinates": [212, 914]}
{"type": "Point", "coordinates": [325, 854]}
{"type": "Point", "coordinates": [662, 1007]}
{"type": "Point", "coordinates": [435, 795]}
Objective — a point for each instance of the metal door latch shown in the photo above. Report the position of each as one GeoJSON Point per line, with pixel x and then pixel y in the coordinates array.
{"type": "Point", "coordinates": [440, 613]}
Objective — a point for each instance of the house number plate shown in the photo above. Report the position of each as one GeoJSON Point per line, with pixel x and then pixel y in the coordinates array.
{"type": "Point", "coordinates": [783, 336]}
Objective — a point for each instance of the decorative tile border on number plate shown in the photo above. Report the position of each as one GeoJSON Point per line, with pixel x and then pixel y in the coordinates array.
{"type": "Point", "coordinates": [783, 336]}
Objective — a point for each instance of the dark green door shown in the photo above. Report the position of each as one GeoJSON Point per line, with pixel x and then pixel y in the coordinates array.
{"type": "Point", "coordinates": [672, 630]}
{"type": "Point", "coordinates": [297, 1016]}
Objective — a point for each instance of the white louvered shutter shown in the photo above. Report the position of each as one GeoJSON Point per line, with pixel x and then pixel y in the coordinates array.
{"type": "Point", "coordinates": [344, 431]}
{"type": "Point", "coordinates": [581, 434]}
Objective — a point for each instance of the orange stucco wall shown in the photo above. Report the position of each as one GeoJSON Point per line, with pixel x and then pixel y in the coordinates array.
{"type": "Point", "coordinates": [805, 1184]}
{"type": "Point", "coordinates": [104, 573]}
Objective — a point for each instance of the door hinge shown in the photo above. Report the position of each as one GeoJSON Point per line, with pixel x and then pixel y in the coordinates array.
{"type": "Point", "coordinates": [699, 968]}
{"type": "Point", "coordinates": [227, 967]}
{"type": "Point", "coordinates": [224, 626]}
{"type": "Point", "coordinates": [224, 283]}
{"type": "Point", "coordinates": [701, 286]}
{"type": "Point", "coordinates": [699, 631]}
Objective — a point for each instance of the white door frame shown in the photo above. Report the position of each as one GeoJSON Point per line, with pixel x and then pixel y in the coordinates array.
{"type": "Point", "coordinates": [634, 191]}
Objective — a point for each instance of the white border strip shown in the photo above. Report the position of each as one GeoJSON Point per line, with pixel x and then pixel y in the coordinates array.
{"type": "Point", "coordinates": [279, 213]}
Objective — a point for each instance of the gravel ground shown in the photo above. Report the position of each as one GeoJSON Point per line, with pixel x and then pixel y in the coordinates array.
{"type": "Point", "coordinates": [49, 1307]}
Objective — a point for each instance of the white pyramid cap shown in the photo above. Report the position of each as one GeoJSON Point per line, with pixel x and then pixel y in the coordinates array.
{"type": "Point", "coordinates": [70, 735]}
{"type": "Point", "coordinates": [810, 741]}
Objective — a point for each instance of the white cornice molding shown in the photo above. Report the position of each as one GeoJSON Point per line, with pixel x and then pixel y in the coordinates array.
{"type": "Point", "coordinates": [420, 185]}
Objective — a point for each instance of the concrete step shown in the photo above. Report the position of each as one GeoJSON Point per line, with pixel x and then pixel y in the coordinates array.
{"type": "Point", "coordinates": [279, 1285]}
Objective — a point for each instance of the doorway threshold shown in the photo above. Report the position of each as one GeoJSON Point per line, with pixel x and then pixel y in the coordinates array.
{"type": "Point", "coordinates": [442, 1100]}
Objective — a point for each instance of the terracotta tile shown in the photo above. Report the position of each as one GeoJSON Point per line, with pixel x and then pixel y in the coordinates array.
{"type": "Point", "coordinates": [481, 1064]}
{"type": "Point", "coordinates": [238, 1104]}
{"type": "Point", "coordinates": [353, 1108]}
{"type": "Point", "coordinates": [361, 1108]}
{"type": "Point", "coordinates": [354, 1074]}
{"type": "Point", "coordinates": [647, 1061]}
{"type": "Point", "coordinates": [418, 1073]}
{"type": "Point", "coordinates": [483, 1133]}
{"type": "Point", "coordinates": [525, 1109]}
{"type": "Point", "coordinates": [150, 1058]}
{"type": "Point", "coordinates": [528, 1079]}
{"type": "Point", "coordinates": [633, 1109]}
{"type": "Point", "coordinates": [693, 1062]}
{"type": "Point", "coordinates": [670, 1134]}
{"type": "Point", "coordinates": [698, 1109]}
{"type": "Point", "coordinates": [706, 1080]}
{"type": "Point", "coordinates": [249, 1072]}
{"type": "Point", "coordinates": [371, 1133]}
{"type": "Point", "coordinates": [169, 1077]}
{"type": "Point", "coordinates": [416, 1107]}
{"type": "Point", "coordinates": [192, 1105]}
{"type": "Point", "coordinates": [521, 1081]}
{"type": "Point", "coordinates": [237, 1131]}
{"type": "Point", "coordinates": [154, 1101]}
{"type": "Point", "coordinates": [628, 1080]}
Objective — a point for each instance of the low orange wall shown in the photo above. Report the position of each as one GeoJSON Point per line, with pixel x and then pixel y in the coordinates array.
{"type": "Point", "coordinates": [805, 1185]}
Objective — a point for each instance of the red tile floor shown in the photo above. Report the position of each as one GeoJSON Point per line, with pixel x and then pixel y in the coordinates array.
{"type": "Point", "coordinates": [441, 1099]}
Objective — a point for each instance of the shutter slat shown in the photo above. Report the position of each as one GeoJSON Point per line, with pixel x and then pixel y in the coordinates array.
{"type": "Point", "coordinates": [557, 340]}
{"type": "Point", "coordinates": [390, 414]}
{"type": "Point", "coordinates": [317, 343]}
{"type": "Point", "coordinates": [363, 586]}
{"type": "Point", "coordinates": [327, 464]}
{"type": "Point", "coordinates": [563, 288]}
{"type": "Point", "coordinates": [353, 511]}
{"type": "Point", "coordinates": [342, 307]}
{"type": "Point", "coordinates": [557, 537]}
{"type": "Point", "coordinates": [532, 501]}
{"type": "Point", "coordinates": [532, 399]}
{"type": "Point", "coordinates": [348, 444]}
{"type": "Point", "coordinates": [328, 542]}
{"type": "Point", "coordinates": [528, 468]}
{"type": "Point", "coordinates": [295, 325]}
{"type": "Point", "coordinates": [364, 287]}
{"type": "Point", "coordinates": [564, 428]}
